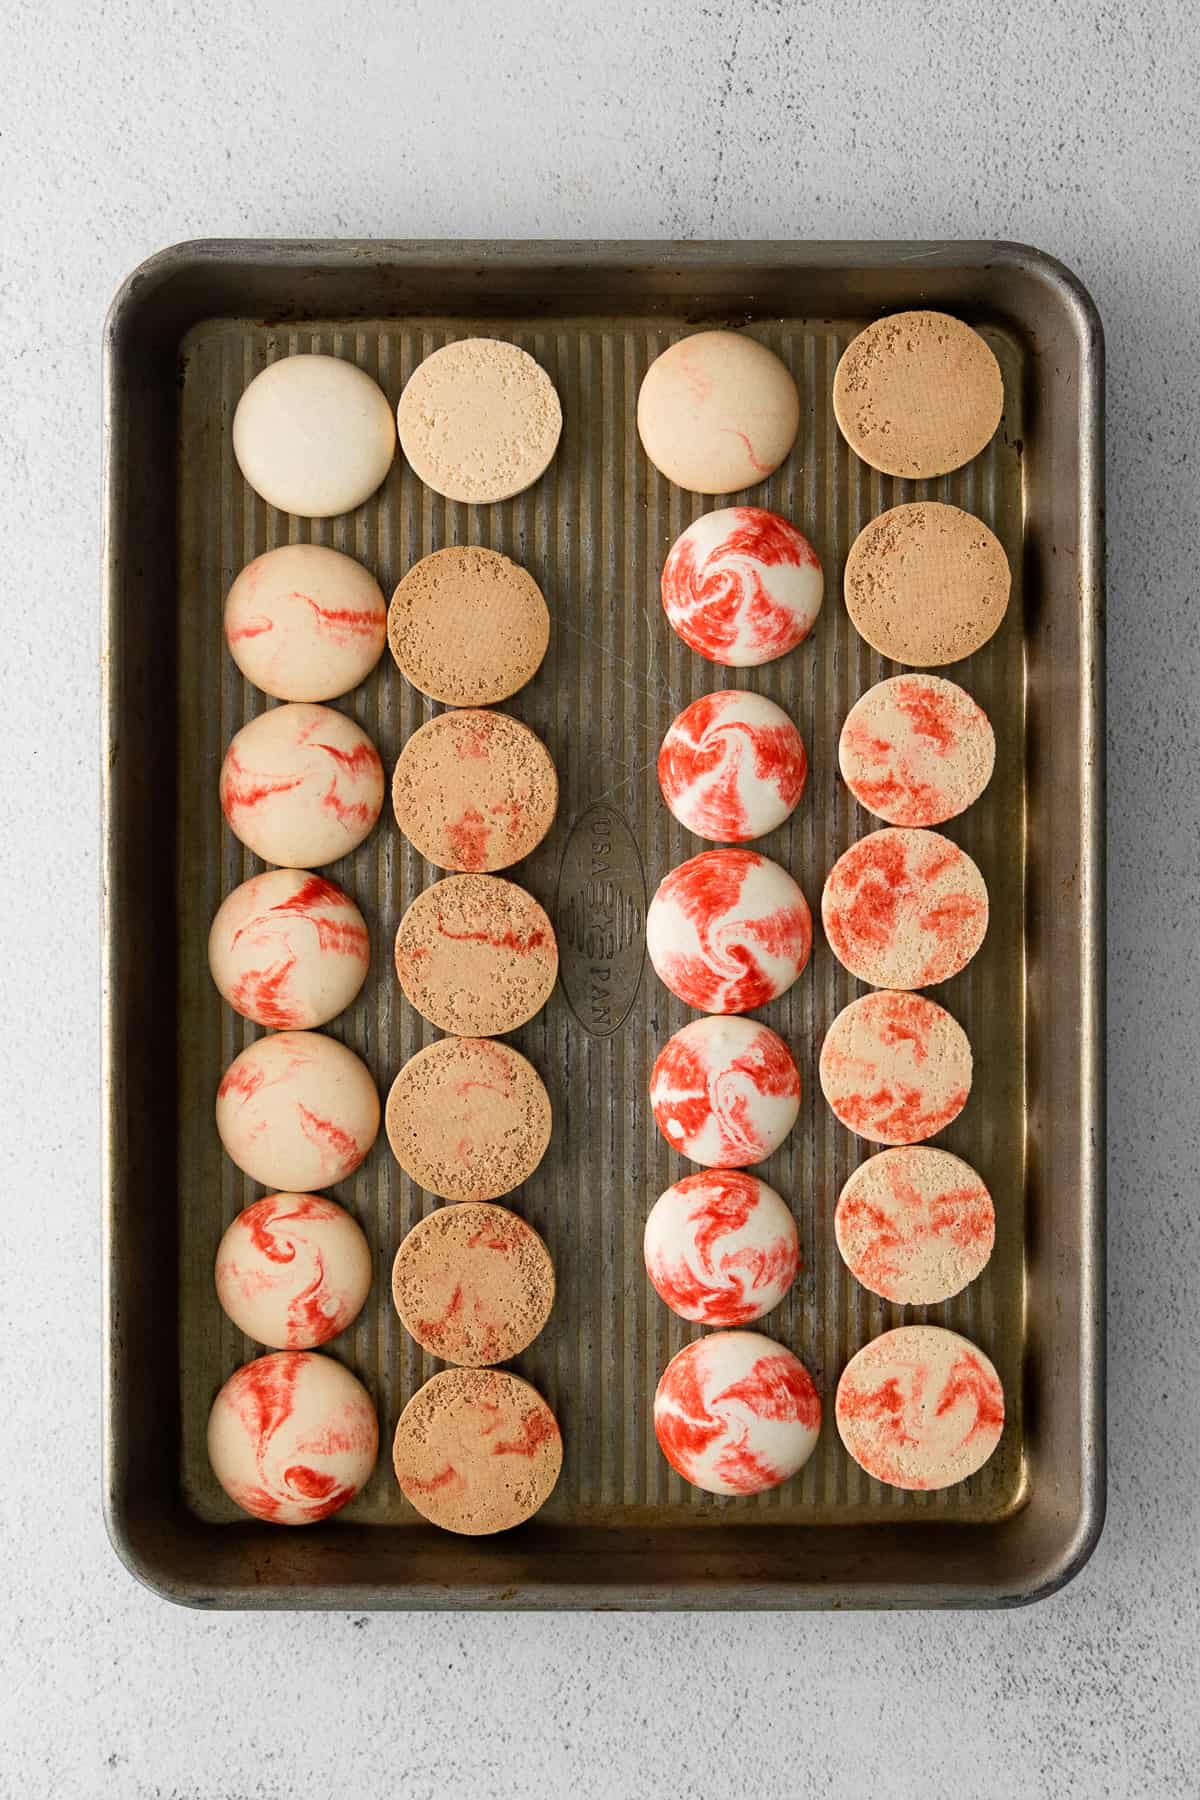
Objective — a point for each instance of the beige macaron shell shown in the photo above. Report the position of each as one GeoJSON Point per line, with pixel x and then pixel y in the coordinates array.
{"type": "Point", "coordinates": [301, 785]}
{"type": "Point", "coordinates": [468, 626]}
{"type": "Point", "coordinates": [468, 1118]}
{"type": "Point", "coordinates": [473, 1284]}
{"type": "Point", "coordinates": [477, 1450]}
{"type": "Point", "coordinates": [717, 412]}
{"type": "Point", "coordinates": [474, 790]}
{"type": "Point", "coordinates": [904, 909]}
{"type": "Point", "coordinates": [918, 394]}
{"type": "Point", "coordinates": [305, 623]}
{"type": "Point", "coordinates": [293, 1270]}
{"type": "Point", "coordinates": [476, 955]}
{"type": "Point", "coordinates": [479, 420]}
{"type": "Point", "coordinates": [292, 1437]}
{"type": "Point", "coordinates": [920, 1407]}
{"type": "Point", "coordinates": [289, 950]}
{"type": "Point", "coordinates": [895, 1067]}
{"type": "Point", "coordinates": [314, 435]}
{"type": "Point", "coordinates": [297, 1111]}
{"type": "Point", "coordinates": [927, 583]}
{"type": "Point", "coordinates": [916, 750]}
{"type": "Point", "coordinates": [915, 1225]}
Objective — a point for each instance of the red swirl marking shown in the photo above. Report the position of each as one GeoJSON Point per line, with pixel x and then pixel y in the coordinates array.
{"type": "Point", "coordinates": [447, 1481]}
{"type": "Point", "coordinates": [362, 760]}
{"type": "Point", "coordinates": [930, 713]}
{"type": "Point", "coordinates": [347, 812]}
{"type": "Point", "coordinates": [243, 1079]}
{"type": "Point", "coordinates": [520, 943]}
{"type": "Point", "coordinates": [313, 902]}
{"type": "Point", "coordinates": [343, 623]}
{"type": "Point", "coordinates": [537, 1428]}
{"type": "Point", "coordinates": [261, 994]}
{"type": "Point", "coordinates": [969, 1381]}
{"type": "Point", "coordinates": [242, 790]}
{"type": "Point", "coordinates": [468, 837]}
{"type": "Point", "coordinates": [332, 1140]}
{"type": "Point", "coordinates": [777, 1387]}
{"type": "Point", "coordinates": [251, 629]}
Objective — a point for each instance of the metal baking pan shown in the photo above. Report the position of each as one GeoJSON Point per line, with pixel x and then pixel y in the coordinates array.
{"type": "Point", "coordinates": [185, 334]}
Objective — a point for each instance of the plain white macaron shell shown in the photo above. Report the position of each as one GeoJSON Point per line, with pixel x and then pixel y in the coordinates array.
{"type": "Point", "coordinates": [314, 435]}
{"type": "Point", "coordinates": [289, 950]}
{"type": "Point", "coordinates": [293, 1270]}
{"type": "Point", "coordinates": [292, 1437]}
{"type": "Point", "coordinates": [297, 1111]}
{"type": "Point", "coordinates": [736, 1413]}
{"type": "Point", "coordinates": [305, 623]}
{"type": "Point", "coordinates": [717, 412]}
{"type": "Point", "coordinates": [301, 785]}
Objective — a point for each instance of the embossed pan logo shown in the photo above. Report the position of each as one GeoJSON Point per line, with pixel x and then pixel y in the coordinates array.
{"type": "Point", "coordinates": [600, 917]}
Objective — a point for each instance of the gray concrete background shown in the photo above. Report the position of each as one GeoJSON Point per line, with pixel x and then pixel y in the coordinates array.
{"type": "Point", "coordinates": [124, 127]}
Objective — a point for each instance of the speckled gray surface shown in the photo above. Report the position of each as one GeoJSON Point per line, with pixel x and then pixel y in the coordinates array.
{"type": "Point", "coordinates": [125, 128]}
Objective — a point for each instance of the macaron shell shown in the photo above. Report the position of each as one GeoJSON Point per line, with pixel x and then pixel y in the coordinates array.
{"type": "Point", "coordinates": [728, 931]}
{"type": "Point", "coordinates": [742, 586]}
{"type": "Point", "coordinates": [915, 1225]}
{"type": "Point", "coordinates": [920, 1407]}
{"type": "Point", "coordinates": [473, 1284]}
{"type": "Point", "coordinates": [297, 1111]}
{"type": "Point", "coordinates": [927, 583]}
{"type": "Point", "coordinates": [314, 435]}
{"type": "Point", "coordinates": [717, 412]}
{"type": "Point", "coordinates": [904, 909]}
{"type": "Point", "coordinates": [916, 750]}
{"type": "Point", "coordinates": [292, 1437]}
{"type": "Point", "coordinates": [736, 1413]}
{"type": "Point", "coordinates": [721, 1248]}
{"type": "Point", "coordinates": [468, 1118]}
{"type": "Point", "coordinates": [288, 950]}
{"type": "Point", "coordinates": [303, 622]}
{"type": "Point", "coordinates": [725, 1091]}
{"type": "Point", "coordinates": [301, 785]}
{"type": "Point", "coordinates": [895, 1067]}
{"type": "Point", "coordinates": [476, 955]}
{"type": "Point", "coordinates": [917, 394]}
{"type": "Point", "coordinates": [293, 1270]}
{"type": "Point", "coordinates": [477, 1451]}
{"type": "Point", "coordinates": [732, 766]}
{"type": "Point", "coordinates": [479, 420]}
{"type": "Point", "coordinates": [474, 791]}
{"type": "Point", "coordinates": [468, 626]}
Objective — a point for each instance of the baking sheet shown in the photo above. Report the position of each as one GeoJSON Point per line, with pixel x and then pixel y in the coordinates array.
{"type": "Point", "coordinates": [594, 532]}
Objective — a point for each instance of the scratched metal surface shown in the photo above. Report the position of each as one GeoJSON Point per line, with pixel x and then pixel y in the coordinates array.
{"type": "Point", "coordinates": [594, 532]}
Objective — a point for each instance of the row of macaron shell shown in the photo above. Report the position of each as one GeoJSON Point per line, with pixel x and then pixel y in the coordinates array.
{"type": "Point", "coordinates": [303, 644]}
{"type": "Point", "coordinates": [682, 1233]}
